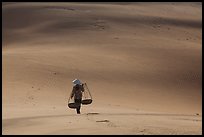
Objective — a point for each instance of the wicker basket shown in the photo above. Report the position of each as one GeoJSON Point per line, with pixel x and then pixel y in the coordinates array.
{"type": "Point", "coordinates": [86, 101]}
{"type": "Point", "coordinates": [72, 105]}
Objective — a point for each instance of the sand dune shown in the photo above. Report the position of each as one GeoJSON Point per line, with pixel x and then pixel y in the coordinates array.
{"type": "Point", "coordinates": [105, 123]}
{"type": "Point", "coordinates": [137, 58]}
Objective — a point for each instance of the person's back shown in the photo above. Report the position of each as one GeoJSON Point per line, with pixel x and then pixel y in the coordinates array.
{"type": "Point", "coordinates": [77, 93]}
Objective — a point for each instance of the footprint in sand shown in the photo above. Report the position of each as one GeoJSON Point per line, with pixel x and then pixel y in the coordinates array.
{"type": "Point", "coordinates": [110, 124]}
{"type": "Point", "coordinates": [143, 130]}
{"type": "Point", "coordinates": [31, 97]}
{"type": "Point", "coordinates": [105, 120]}
{"type": "Point", "coordinates": [92, 113]}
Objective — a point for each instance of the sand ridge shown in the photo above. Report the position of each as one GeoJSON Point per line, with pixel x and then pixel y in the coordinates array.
{"type": "Point", "coordinates": [138, 57]}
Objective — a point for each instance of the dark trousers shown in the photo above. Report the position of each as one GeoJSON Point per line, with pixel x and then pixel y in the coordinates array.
{"type": "Point", "coordinates": [78, 103]}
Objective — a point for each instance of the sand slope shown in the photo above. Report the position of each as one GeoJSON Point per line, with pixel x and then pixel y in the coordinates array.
{"type": "Point", "coordinates": [137, 59]}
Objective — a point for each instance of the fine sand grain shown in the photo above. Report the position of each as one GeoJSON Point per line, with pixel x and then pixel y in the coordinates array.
{"type": "Point", "coordinates": [141, 61]}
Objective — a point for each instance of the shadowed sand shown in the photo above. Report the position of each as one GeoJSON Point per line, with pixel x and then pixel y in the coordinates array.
{"type": "Point", "coordinates": [141, 61]}
{"type": "Point", "coordinates": [105, 123]}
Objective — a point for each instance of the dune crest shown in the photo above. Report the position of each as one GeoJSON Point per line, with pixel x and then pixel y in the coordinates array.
{"type": "Point", "coordinates": [135, 57]}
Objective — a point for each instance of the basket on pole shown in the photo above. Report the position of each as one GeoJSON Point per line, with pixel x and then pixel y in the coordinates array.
{"type": "Point", "coordinates": [86, 98]}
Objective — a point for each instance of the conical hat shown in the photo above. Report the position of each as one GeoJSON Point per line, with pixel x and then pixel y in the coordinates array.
{"type": "Point", "coordinates": [77, 81]}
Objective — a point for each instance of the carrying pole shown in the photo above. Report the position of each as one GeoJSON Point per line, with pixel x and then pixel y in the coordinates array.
{"type": "Point", "coordinates": [69, 97]}
{"type": "Point", "coordinates": [88, 90]}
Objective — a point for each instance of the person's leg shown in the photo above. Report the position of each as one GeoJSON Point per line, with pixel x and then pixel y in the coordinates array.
{"type": "Point", "coordinates": [78, 110]}
{"type": "Point", "coordinates": [78, 104]}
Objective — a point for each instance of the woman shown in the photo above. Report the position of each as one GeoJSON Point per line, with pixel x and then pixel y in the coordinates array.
{"type": "Point", "coordinates": [77, 93]}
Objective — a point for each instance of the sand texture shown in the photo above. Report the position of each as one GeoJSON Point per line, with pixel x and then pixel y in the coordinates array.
{"type": "Point", "coordinates": [141, 61]}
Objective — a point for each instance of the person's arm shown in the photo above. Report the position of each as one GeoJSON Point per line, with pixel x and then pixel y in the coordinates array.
{"type": "Point", "coordinates": [72, 93]}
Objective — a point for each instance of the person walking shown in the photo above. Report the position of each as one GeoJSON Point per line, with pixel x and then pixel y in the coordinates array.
{"type": "Point", "coordinates": [77, 90]}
